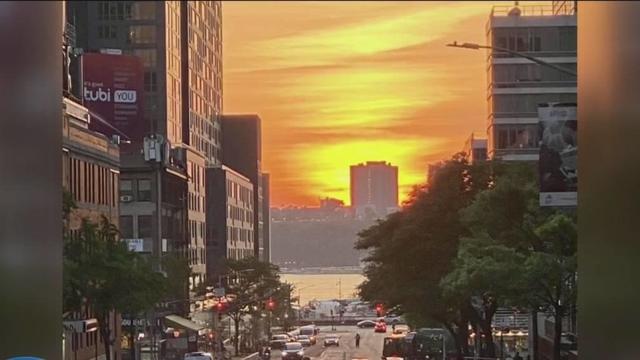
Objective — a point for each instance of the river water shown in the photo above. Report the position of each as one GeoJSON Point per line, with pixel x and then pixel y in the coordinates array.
{"type": "Point", "coordinates": [324, 286]}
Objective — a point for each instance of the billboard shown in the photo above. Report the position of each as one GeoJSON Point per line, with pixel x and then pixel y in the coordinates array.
{"type": "Point", "coordinates": [112, 89]}
{"type": "Point", "coordinates": [558, 164]}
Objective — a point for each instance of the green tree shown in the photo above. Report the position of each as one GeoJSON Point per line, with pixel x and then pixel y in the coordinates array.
{"type": "Point", "coordinates": [103, 276]}
{"type": "Point", "coordinates": [517, 253]}
{"type": "Point", "coordinates": [412, 250]}
{"type": "Point", "coordinates": [251, 281]}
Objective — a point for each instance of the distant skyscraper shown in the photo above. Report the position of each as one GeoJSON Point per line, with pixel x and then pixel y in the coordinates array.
{"type": "Point", "coordinates": [374, 188]}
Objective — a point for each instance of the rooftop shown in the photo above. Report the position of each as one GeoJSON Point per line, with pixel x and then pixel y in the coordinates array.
{"type": "Point", "coordinates": [528, 10]}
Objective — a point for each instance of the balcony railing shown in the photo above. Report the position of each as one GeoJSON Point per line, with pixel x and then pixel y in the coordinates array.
{"type": "Point", "coordinates": [528, 10]}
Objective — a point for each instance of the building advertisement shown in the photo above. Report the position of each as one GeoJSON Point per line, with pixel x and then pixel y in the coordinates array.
{"type": "Point", "coordinates": [112, 89]}
{"type": "Point", "coordinates": [558, 154]}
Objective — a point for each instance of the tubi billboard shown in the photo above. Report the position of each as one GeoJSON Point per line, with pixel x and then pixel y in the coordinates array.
{"type": "Point", "coordinates": [112, 89]}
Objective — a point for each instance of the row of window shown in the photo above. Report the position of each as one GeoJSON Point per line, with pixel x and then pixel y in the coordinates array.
{"type": "Point", "coordinates": [92, 183]}
{"type": "Point", "coordinates": [524, 103]}
{"type": "Point", "coordinates": [535, 39]}
{"type": "Point", "coordinates": [144, 227]}
{"type": "Point", "coordinates": [512, 73]}
{"type": "Point", "coordinates": [235, 234]}
{"type": "Point", "coordinates": [196, 256]}
{"type": "Point", "coordinates": [141, 227]}
{"type": "Point", "coordinates": [238, 192]}
{"type": "Point", "coordinates": [140, 192]}
{"type": "Point", "coordinates": [196, 202]}
{"type": "Point", "coordinates": [516, 136]}
{"type": "Point", "coordinates": [239, 214]}
{"type": "Point", "coordinates": [238, 254]}
{"type": "Point", "coordinates": [196, 230]}
{"type": "Point", "coordinates": [120, 10]}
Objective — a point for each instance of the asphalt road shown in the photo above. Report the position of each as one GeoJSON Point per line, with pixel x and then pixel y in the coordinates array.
{"type": "Point", "coordinates": [370, 345]}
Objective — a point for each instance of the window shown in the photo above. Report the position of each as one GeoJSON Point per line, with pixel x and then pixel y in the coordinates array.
{"type": "Point", "coordinates": [103, 10]}
{"type": "Point", "coordinates": [148, 57]}
{"type": "Point", "coordinates": [150, 81]}
{"type": "Point", "coordinates": [126, 188]}
{"type": "Point", "coordinates": [126, 226]}
{"type": "Point", "coordinates": [144, 190]}
{"type": "Point", "coordinates": [144, 226]}
{"type": "Point", "coordinates": [107, 32]}
{"type": "Point", "coordinates": [517, 136]}
{"type": "Point", "coordinates": [141, 34]}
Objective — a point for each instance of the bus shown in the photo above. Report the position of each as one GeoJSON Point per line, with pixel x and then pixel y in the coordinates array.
{"type": "Point", "coordinates": [394, 347]}
{"type": "Point", "coordinates": [430, 344]}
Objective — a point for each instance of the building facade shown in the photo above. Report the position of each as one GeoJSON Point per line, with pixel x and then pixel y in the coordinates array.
{"type": "Point", "coordinates": [230, 217]}
{"type": "Point", "coordinates": [242, 151]}
{"type": "Point", "coordinates": [374, 189]}
{"type": "Point", "coordinates": [475, 149]}
{"type": "Point", "coordinates": [516, 85]}
{"type": "Point", "coordinates": [266, 217]}
{"type": "Point", "coordinates": [180, 44]}
{"type": "Point", "coordinates": [90, 174]}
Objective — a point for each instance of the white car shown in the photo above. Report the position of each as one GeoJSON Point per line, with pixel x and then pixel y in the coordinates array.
{"type": "Point", "coordinates": [305, 340]}
{"type": "Point", "coordinates": [198, 355]}
{"type": "Point", "coordinates": [331, 340]}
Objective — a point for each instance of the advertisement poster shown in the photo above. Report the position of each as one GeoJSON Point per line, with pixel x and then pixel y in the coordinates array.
{"type": "Point", "coordinates": [558, 154]}
{"type": "Point", "coordinates": [112, 89]}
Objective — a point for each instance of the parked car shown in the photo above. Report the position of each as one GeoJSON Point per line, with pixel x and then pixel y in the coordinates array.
{"type": "Point", "coordinates": [380, 327]}
{"type": "Point", "coordinates": [293, 351]}
{"type": "Point", "coordinates": [278, 341]}
{"type": "Point", "coordinates": [198, 355]}
{"type": "Point", "coordinates": [331, 340]}
{"type": "Point", "coordinates": [304, 340]}
{"type": "Point", "coordinates": [366, 324]}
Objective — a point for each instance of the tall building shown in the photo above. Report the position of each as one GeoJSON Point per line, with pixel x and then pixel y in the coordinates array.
{"type": "Point", "coordinates": [230, 217]}
{"type": "Point", "coordinates": [374, 189]}
{"type": "Point", "coordinates": [90, 173]}
{"type": "Point", "coordinates": [517, 85]}
{"type": "Point", "coordinates": [475, 149]}
{"type": "Point", "coordinates": [242, 151]}
{"type": "Point", "coordinates": [180, 44]}
{"type": "Point", "coordinates": [266, 216]}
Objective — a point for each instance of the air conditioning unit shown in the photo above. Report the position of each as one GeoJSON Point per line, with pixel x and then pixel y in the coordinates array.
{"type": "Point", "coordinates": [126, 198]}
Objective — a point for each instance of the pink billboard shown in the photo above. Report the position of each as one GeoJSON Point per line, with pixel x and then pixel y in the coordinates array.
{"type": "Point", "coordinates": [112, 89]}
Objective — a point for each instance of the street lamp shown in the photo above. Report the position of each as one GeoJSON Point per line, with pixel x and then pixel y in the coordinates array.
{"type": "Point", "coordinates": [474, 46]}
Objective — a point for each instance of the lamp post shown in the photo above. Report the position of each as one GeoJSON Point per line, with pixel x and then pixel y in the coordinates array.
{"type": "Point", "coordinates": [474, 46]}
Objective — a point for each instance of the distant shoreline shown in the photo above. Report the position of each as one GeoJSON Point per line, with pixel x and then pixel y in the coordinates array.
{"type": "Point", "coordinates": [323, 271]}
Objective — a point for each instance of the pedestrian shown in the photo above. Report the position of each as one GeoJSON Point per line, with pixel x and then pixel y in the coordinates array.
{"type": "Point", "coordinates": [517, 356]}
{"type": "Point", "coordinates": [357, 340]}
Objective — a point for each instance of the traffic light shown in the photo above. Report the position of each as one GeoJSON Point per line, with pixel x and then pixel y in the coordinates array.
{"type": "Point", "coordinates": [271, 305]}
{"type": "Point", "coordinates": [379, 310]}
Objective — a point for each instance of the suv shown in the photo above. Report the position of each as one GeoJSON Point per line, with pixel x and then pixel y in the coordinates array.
{"type": "Point", "coordinates": [292, 351]}
{"type": "Point", "coordinates": [278, 341]}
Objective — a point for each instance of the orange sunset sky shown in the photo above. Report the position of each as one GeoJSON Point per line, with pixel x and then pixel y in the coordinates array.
{"type": "Point", "coordinates": [338, 83]}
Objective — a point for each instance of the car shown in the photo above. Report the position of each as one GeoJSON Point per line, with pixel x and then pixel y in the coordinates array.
{"type": "Point", "coordinates": [198, 355]}
{"type": "Point", "coordinates": [305, 340]}
{"type": "Point", "coordinates": [293, 351]}
{"type": "Point", "coordinates": [278, 341]}
{"type": "Point", "coordinates": [380, 327]}
{"type": "Point", "coordinates": [330, 340]}
{"type": "Point", "coordinates": [366, 324]}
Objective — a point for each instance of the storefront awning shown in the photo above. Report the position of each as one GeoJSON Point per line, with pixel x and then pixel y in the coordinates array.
{"type": "Point", "coordinates": [185, 323]}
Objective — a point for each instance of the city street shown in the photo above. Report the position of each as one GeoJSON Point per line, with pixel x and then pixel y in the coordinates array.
{"type": "Point", "coordinates": [370, 345]}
